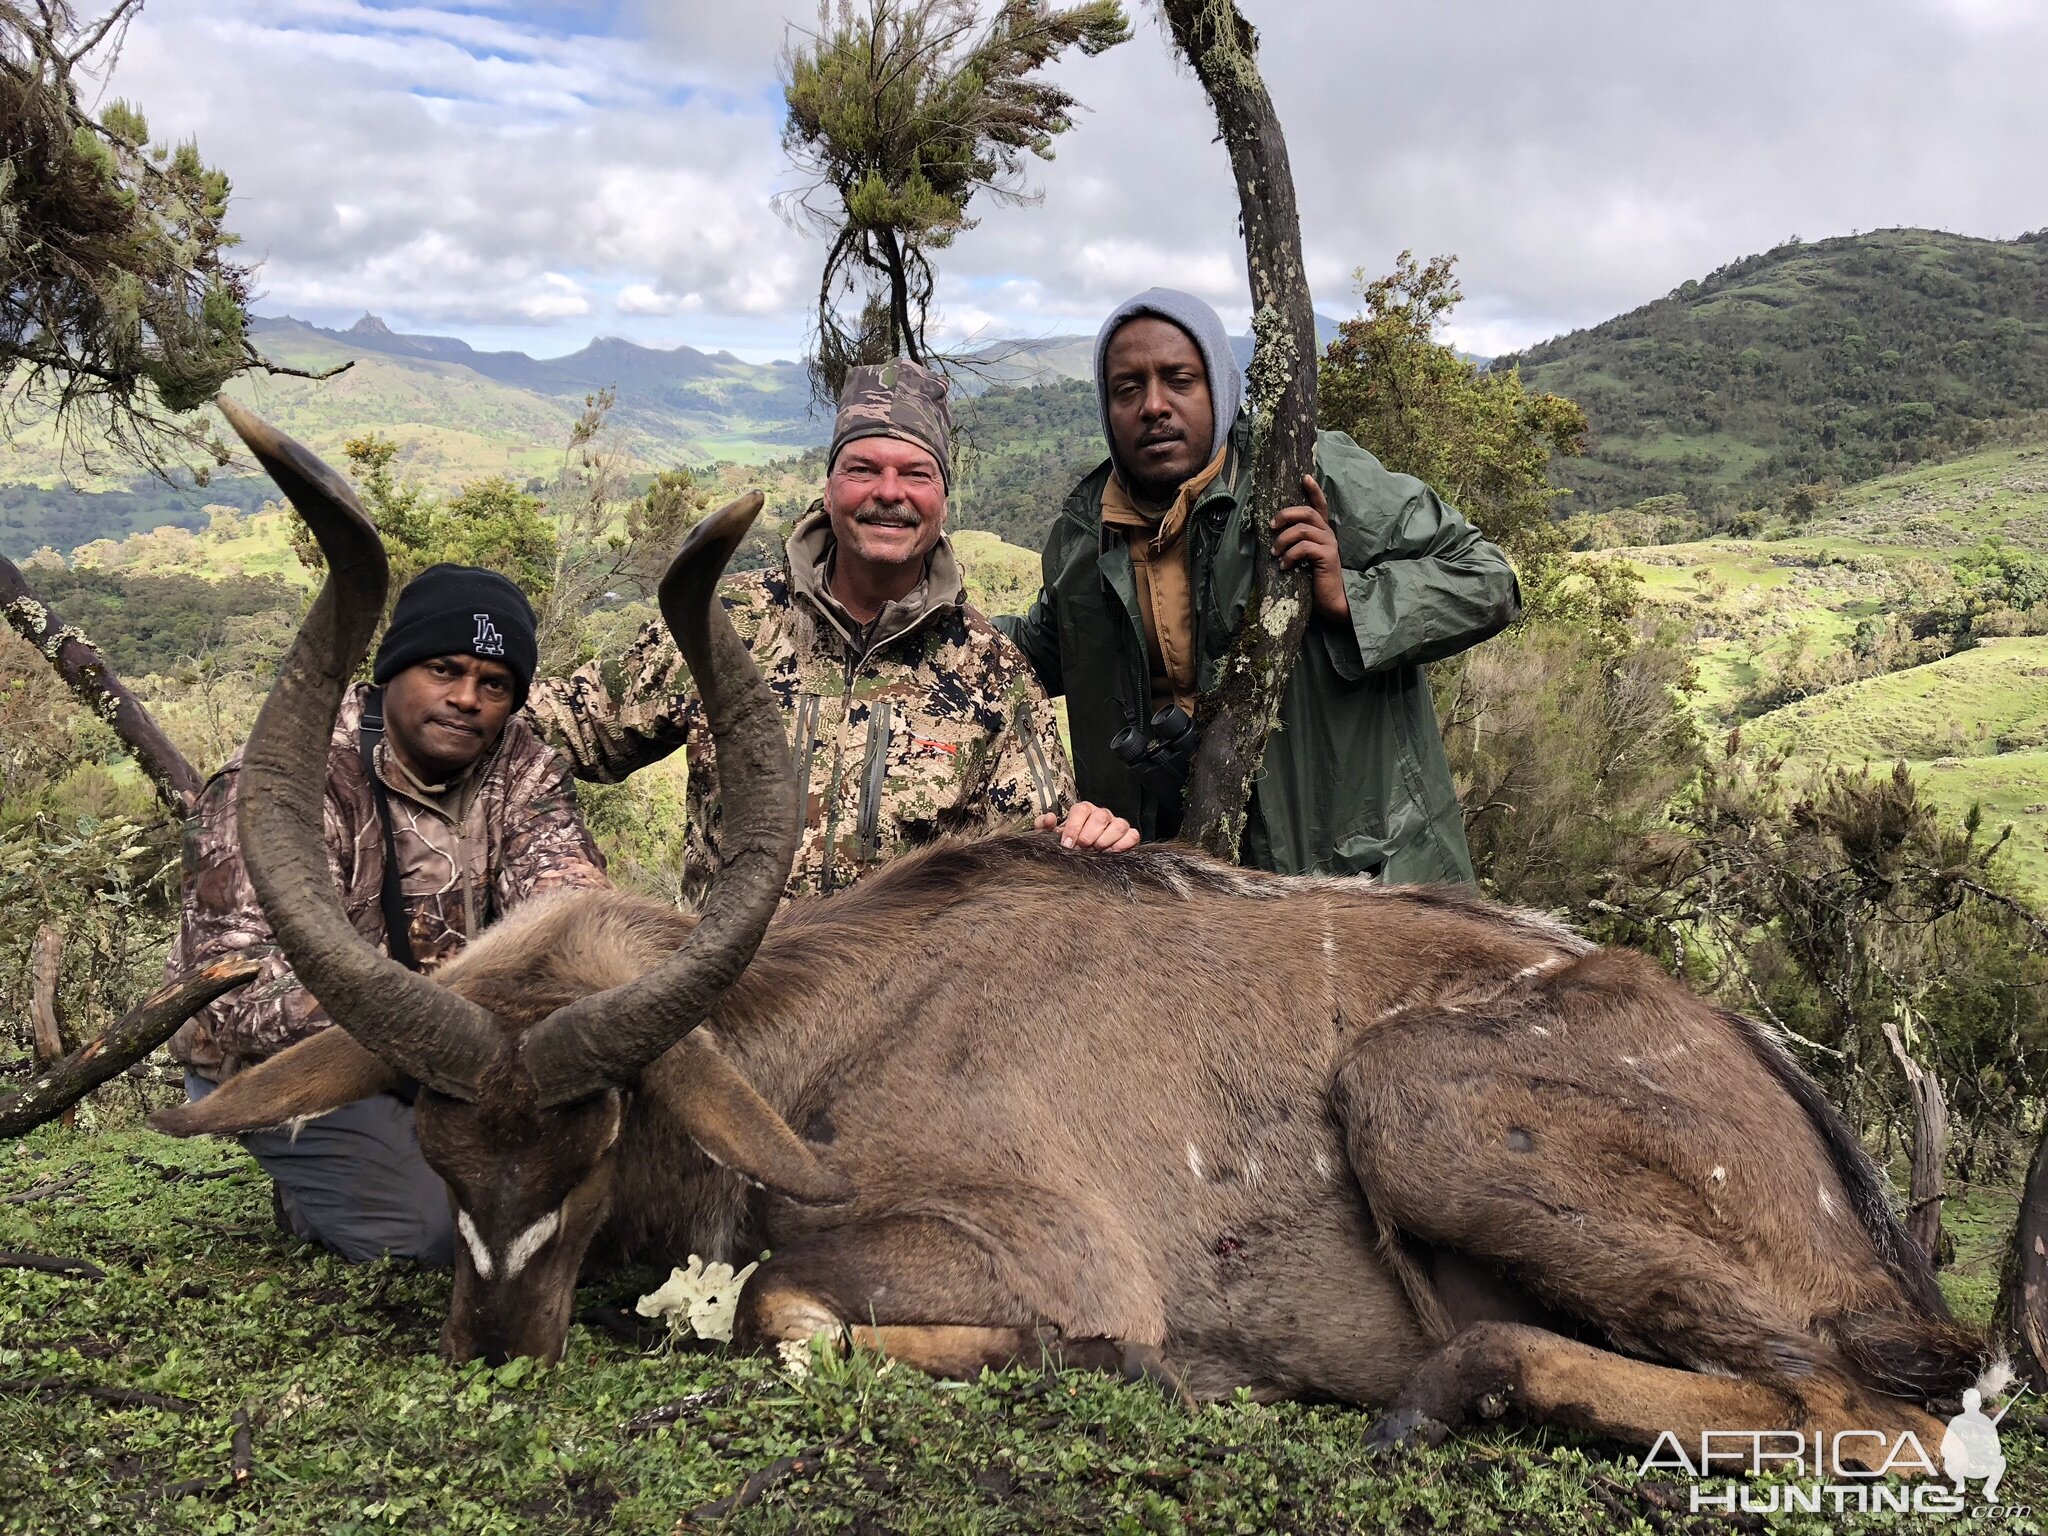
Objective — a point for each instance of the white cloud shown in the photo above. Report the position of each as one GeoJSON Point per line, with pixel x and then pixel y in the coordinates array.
{"type": "Point", "coordinates": [557, 298]}
{"type": "Point", "coordinates": [642, 299]}
{"type": "Point", "coordinates": [584, 169]}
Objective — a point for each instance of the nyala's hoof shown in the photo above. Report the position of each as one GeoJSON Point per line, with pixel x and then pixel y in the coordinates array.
{"type": "Point", "coordinates": [1142, 1362]}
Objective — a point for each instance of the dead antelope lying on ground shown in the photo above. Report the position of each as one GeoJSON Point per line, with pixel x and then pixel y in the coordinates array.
{"type": "Point", "coordinates": [1394, 1146]}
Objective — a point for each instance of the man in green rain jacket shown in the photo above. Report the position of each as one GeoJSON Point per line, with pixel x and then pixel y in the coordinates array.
{"type": "Point", "coordinates": [1146, 575]}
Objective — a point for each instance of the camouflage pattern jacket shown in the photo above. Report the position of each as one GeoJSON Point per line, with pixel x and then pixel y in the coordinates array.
{"type": "Point", "coordinates": [928, 721]}
{"type": "Point", "coordinates": [468, 853]}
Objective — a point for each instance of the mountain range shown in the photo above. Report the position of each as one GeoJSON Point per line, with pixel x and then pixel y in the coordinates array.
{"type": "Point", "coordinates": [1771, 379]}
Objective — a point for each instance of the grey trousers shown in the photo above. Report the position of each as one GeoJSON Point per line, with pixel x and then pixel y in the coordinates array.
{"type": "Point", "coordinates": [355, 1181]}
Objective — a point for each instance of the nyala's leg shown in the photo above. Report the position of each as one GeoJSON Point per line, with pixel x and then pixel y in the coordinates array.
{"type": "Point", "coordinates": [1492, 1369]}
{"type": "Point", "coordinates": [919, 1290]}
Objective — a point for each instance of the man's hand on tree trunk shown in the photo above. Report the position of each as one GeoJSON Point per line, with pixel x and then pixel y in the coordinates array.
{"type": "Point", "coordinates": [1303, 536]}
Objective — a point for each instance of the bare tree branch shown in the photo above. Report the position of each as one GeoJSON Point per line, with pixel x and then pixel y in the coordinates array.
{"type": "Point", "coordinates": [138, 1032]}
{"type": "Point", "coordinates": [284, 371]}
{"type": "Point", "coordinates": [46, 970]}
{"type": "Point", "coordinates": [2018, 909]}
{"type": "Point", "coordinates": [98, 34]}
{"type": "Point", "coordinates": [87, 674]}
{"type": "Point", "coordinates": [1930, 1146]}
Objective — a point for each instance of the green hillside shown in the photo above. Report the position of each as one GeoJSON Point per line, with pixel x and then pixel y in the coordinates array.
{"type": "Point", "coordinates": [1974, 726]}
{"type": "Point", "coordinates": [1812, 639]}
{"type": "Point", "coordinates": [1834, 361]}
{"type": "Point", "coordinates": [1020, 451]}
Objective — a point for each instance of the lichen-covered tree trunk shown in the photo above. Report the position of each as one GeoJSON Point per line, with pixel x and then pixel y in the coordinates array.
{"type": "Point", "coordinates": [87, 674]}
{"type": "Point", "coordinates": [1240, 712]}
{"type": "Point", "coordinates": [2023, 1304]}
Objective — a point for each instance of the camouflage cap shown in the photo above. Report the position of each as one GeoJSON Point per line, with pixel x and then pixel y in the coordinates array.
{"type": "Point", "coordinates": [901, 399]}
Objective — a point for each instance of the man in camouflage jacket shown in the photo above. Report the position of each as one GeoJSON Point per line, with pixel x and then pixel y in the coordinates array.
{"type": "Point", "coordinates": [909, 714]}
{"type": "Point", "coordinates": [482, 816]}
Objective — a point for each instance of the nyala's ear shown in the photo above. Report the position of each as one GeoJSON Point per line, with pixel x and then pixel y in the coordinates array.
{"type": "Point", "coordinates": [318, 1074]}
{"type": "Point", "coordinates": [722, 1114]}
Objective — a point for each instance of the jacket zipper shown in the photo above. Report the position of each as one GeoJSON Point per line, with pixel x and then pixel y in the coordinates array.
{"type": "Point", "coordinates": [874, 767]}
{"type": "Point", "coordinates": [881, 724]}
{"type": "Point", "coordinates": [826, 884]}
{"type": "Point", "coordinates": [804, 741]}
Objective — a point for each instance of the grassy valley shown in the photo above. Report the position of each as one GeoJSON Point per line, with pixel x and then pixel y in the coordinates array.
{"type": "Point", "coordinates": [1801, 610]}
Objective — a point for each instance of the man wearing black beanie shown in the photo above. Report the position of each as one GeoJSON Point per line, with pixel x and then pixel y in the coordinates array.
{"type": "Point", "coordinates": [444, 811]}
{"type": "Point", "coordinates": [456, 661]}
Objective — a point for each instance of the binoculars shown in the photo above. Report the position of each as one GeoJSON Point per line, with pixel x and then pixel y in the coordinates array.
{"type": "Point", "coordinates": [1158, 755]}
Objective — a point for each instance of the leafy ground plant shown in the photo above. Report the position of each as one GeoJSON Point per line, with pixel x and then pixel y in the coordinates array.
{"type": "Point", "coordinates": [215, 1375]}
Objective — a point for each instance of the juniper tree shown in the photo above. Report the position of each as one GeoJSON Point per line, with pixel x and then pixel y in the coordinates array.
{"type": "Point", "coordinates": [121, 304]}
{"type": "Point", "coordinates": [1481, 439]}
{"type": "Point", "coordinates": [900, 113]}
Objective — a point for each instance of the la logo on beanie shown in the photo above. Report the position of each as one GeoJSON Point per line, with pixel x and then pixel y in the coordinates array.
{"type": "Point", "coordinates": [459, 610]}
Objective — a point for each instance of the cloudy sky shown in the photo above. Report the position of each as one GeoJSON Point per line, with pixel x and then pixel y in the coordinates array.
{"type": "Point", "coordinates": [532, 175]}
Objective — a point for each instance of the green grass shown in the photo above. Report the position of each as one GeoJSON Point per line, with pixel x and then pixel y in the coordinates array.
{"type": "Point", "coordinates": [1973, 726]}
{"type": "Point", "coordinates": [1001, 578]}
{"type": "Point", "coordinates": [1755, 606]}
{"type": "Point", "coordinates": [1988, 700]}
{"type": "Point", "coordinates": [1978, 1218]}
{"type": "Point", "coordinates": [358, 1427]}
{"type": "Point", "coordinates": [2012, 791]}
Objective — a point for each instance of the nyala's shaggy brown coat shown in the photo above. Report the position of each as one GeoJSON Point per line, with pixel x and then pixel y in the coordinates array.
{"type": "Point", "coordinates": [1362, 1120]}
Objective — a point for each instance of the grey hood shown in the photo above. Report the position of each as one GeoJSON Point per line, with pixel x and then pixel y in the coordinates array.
{"type": "Point", "coordinates": [1205, 327]}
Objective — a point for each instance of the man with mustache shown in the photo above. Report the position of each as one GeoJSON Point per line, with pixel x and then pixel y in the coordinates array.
{"type": "Point", "coordinates": [909, 714]}
{"type": "Point", "coordinates": [444, 812]}
{"type": "Point", "coordinates": [1146, 575]}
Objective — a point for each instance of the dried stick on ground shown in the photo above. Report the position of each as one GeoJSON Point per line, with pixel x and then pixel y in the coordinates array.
{"type": "Point", "coordinates": [46, 968]}
{"type": "Point", "coordinates": [138, 1032]}
{"type": "Point", "coordinates": [87, 674]}
{"type": "Point", "coordinates": [63, 1184]}
{"type": "Point", "coordinates": [124, 1397]}
{"type": "Point", "coordinates": [50, 1264]}
{"type": "Point", "coordinates": [1240, 712]}
{"type": "Point", "coordinates": [755, 1487]}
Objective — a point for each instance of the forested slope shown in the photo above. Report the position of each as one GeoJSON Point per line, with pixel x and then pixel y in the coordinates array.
{"type": "Point", "coordinates": [1827, 362]}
